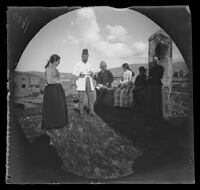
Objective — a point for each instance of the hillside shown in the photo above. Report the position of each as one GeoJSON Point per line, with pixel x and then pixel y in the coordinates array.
{"type": "Point", "coordinates": [117, 71]}
{"type": "Point", "coordinates": [177, 66]}
{"type": "Point", "coordinates": [38, 73]}
{"type": "Point", "coordinates": [180, 66]}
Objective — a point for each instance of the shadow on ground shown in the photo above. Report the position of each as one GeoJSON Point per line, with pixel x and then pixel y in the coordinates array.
{"type": "Point", "coordinates": [167, 151]}
{"type": "Point", "coordinates": [165, 144]}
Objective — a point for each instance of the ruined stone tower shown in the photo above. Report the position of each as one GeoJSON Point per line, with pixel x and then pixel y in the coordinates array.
{"type": "Point", "coordinates": [160, 45]}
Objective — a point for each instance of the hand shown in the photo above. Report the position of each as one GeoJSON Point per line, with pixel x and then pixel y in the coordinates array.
{"type": "Point", "coordinates": [82, 75]}
{"type": "Point", "coordinates": [91, 73]}
{"type": "Point", "coordinates": [73, 84]}
{"type": "Point", "coordinates": [104, 86]}
{"type": "Point", "coordinates": [122, 86]}
{"type": "Point", "coordinates": [107, 84]}
{"type": "Point", "coordinates": [149, 78]}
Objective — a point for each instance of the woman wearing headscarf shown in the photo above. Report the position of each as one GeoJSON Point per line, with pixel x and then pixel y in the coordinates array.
{"type": "Point", "coordinates": [153, 97]}
{"type": "Point", "coordinates": [139, 90]}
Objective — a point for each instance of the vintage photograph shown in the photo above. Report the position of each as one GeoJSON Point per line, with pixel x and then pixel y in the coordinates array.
{"type": "Point", "coordinates": [100, 95]}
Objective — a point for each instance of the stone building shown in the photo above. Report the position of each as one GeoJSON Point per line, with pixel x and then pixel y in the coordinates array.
{"type": "Point", "coordinates": [160, 45]}
{"type": "Point", "coordinates": [173, 101]}
{"type": "Point", "coordinates": [27, 84]}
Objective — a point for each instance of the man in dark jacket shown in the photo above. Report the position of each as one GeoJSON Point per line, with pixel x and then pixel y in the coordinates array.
{"type": "Point", "coordinates": [104, 80]}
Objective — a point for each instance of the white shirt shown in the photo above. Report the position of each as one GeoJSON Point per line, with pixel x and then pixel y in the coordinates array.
{"type": "Point", "coordinates": [83, 68]}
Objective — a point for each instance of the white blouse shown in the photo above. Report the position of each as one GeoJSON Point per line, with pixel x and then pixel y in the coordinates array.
{"type": "Point", "coordinates": [52, 75]}
{"type": "Point", "coordinates": [127, 76]}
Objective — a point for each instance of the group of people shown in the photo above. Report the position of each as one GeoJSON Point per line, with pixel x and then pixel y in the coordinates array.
{"type": "Point", "coordinates": [144, 93]}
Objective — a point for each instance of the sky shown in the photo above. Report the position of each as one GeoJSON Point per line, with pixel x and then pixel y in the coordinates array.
{"type": "Point", "coordinates": [112, 35]}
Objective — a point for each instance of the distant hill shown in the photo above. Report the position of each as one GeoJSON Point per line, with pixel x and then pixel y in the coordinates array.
{"type": "Point", "coordinates": [30, 72]}
{"type": "Point", "coordinates": [117, 71]}
{"type": "Point", "coordinates": [66, 75]}
{"type": "Point", "coordinates": [177, 66]}
{"type": "Point", "coordinates": [38, 73]}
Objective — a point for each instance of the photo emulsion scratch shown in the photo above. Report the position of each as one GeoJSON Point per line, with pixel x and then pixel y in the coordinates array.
{"type": "Point", "coordinates": [99, 95]}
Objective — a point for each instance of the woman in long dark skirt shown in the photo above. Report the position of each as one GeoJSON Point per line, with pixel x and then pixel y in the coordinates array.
{"type": "Point", "coordinates": [139, 91]}
{"type": "Point", "coordinates": [54, 112]}
{"type": "Point", "coordinates": [153, 95]}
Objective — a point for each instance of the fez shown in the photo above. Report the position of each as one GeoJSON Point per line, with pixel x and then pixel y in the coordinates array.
{"type": "Point", "coordinates": [85, 52]}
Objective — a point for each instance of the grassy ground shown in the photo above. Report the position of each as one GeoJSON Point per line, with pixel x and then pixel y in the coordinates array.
{"type": "Point", "coordinates": [88, 147]}
{"type": "Point", "coordinates": [166, 147]}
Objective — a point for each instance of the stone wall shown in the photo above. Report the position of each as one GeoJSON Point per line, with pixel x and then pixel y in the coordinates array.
{"type": "Point", "coordinates": [160, 45]}
{"type": "Point", "coordinates": [176, 104]}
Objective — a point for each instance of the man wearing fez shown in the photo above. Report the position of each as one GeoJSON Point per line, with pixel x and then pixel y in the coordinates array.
{"type": "Point", "coordinates": [83, 72]}
{"type": "Point", "coordinates": [104, 79]}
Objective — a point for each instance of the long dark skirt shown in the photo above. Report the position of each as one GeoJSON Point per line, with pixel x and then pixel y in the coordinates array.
{"type": "Point", "coordinates": [54, 112]}
{"type": "Point", "coordinates": [152, 108]}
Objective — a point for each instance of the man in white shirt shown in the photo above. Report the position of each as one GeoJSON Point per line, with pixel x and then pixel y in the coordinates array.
{"type": "Point", "coordinates": [83, 72]}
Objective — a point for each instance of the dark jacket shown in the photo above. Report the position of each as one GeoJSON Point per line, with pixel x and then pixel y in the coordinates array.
{"type": "Point", "coordinates": [104, 77]}
{"type": "Point", "coordinates": [140, 80]}
{"type": "Point", "coordinates": [156, 74]}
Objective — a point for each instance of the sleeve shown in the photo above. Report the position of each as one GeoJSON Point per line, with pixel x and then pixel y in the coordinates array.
{"type": "Point", "coordinates": [91, 68]}
{"type": "Point", "coordinates": [95, 77]}
{"type": "Point", "coordinates": [133, 73]}
{"type": "Point", "coordinates": [130, 76]}
{"type": "Point", "coordinates": [99, 79]}
{"type": "Point", "coordinates": [76, 70]}
{"type": "Point", "coordinates": [137, 80]}
{"type": "Point", "coordinates": [111, 77]}
{"type": "Point", "coordinates": [123, 78]}
{"type": "Point", "coordinates": [161, 73]}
